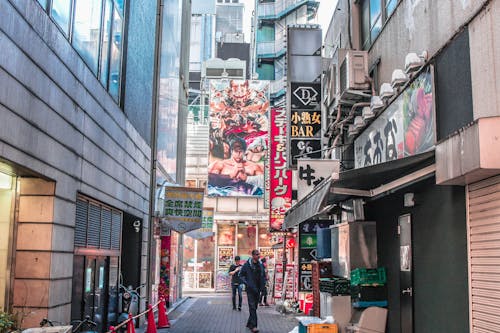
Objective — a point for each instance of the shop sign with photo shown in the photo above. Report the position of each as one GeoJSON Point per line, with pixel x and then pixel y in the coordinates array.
{"type": "Point", "coordinates": [182, 208]}
{"type": "Point", "coordinates": [280, 178]}
{"type": "Point", "coordinates": [238, 137]}
{"type": "Point", "coordinates": [225, 257]}
{"type": "Point", "coordinates": [312, 172]}
{"type": "Point", "coordinates": [405, 128]}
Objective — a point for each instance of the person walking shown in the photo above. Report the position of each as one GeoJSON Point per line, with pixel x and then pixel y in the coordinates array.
{"type": "Point", "coordinates": [263, 293]}
{"type": "Point", "coordinates": [236, 285]}
{"type": "Point", "coordinates": [252, 275]}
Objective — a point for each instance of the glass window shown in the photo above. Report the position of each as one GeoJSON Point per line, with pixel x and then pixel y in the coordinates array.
{"type": "Point", "coordinates": [374, 11]}
{"type": "Point", "coordinates": [265, 34]}
{"type": "Point", "coordinates": [376, 28]}
{"type": "Point", "coordinates": [390, 6]}
{"type": "Point", "coordinates": [365, 24]}
{"type": "Point", "coordinates": [43, 3]}
{"type": "Point", "coordinates": [86, 30]}
{"type": "Point", "coordinates": [115, 60]}
{"type": "Point", "coordinates": [60, 12]}
{"type": "Point", "coordinates": [246, 240]}
{"type": "Point", "coordinates": [104, 66]}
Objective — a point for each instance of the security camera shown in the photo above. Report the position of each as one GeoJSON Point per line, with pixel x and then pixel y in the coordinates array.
{"type": "Point", "coordinates": [137, 225]}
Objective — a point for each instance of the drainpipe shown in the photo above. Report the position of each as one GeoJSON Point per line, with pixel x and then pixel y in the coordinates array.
{"type": "Point", "coordinates": [154, 143]}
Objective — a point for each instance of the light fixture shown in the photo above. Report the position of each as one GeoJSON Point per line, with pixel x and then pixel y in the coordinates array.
{"type": "Point", "coordinates": [399, 78]}
{"type": "Point", "coordinates": [137, 225]}
{"type": "Point", "coordinates": [386, 91]}
{"type": "Point", "coordinates": [5, 181]}
{"type": "Point", "coordinates": [367, 113]}
{"type": "Point", "coordinates": [376, 104]}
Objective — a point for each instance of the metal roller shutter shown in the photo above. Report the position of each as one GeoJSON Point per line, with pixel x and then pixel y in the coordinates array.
{"type": "Point", "coordinates": [484, 254]}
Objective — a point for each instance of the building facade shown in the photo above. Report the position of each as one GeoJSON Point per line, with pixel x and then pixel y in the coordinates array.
{"type": "Point", "coordinates": [75, 155]}
{"type": "Point", "coordinates": [418, 150]}
{"type": "Point", "coordinates": [269, 40]}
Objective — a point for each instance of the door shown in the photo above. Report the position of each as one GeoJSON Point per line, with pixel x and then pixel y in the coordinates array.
{"type": "Point", "coordinates": [94, 292]}
{"type": "Point", "coordinates": [406, 276]}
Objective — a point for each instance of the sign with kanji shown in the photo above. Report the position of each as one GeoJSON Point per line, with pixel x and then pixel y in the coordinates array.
{"type": "Point", "coordinates": [312, 172]}
{"type": "Point", "coordinates": [280, 178]}
{"type": "Point", "coordinates": [304, 148]}
{"type": "Point", "coordinates": [183, 208]}
{"type": "Point", "coordinates": [207, 222]}
{"type": "Point", "coordinates": [405, 128]}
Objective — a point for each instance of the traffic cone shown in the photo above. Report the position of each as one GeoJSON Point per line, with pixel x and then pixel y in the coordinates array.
{"type": "Point", "coordinates": [151, 320]}
{"type": "Point", "coordinates": [162, 315]}
{"type": "Point", "coordinates": [130, 324]}
{"type": "Point", "coordinates": [111, 329]}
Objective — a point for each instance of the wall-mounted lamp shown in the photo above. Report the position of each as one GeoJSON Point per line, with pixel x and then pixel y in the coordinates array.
{"type": "Point", "coordinates": [409, 199]}
{"type": "Point", "coordinates": [137, 225]}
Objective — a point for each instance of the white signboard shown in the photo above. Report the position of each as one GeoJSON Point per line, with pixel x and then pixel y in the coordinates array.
{"type": "Point", "coordinates": [312, 172]}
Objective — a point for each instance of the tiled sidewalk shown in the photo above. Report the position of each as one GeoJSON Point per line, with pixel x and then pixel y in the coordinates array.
{"type": "Point", "coordinates": [213, 314]}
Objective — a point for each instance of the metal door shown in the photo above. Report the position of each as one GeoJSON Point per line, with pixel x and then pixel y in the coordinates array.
{"type": "Point", "coordinates": [94, 293]}
{"type": "Point", "coordinates": [406, 273]}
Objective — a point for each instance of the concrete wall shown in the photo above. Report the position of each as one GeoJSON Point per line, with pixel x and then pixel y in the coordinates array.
{"type": "Point", "coordinates": [484, 40]}
{"type": "Point", "coordinates": [416, 26]}
{"type": "Point", "coordinates": [58, 121]}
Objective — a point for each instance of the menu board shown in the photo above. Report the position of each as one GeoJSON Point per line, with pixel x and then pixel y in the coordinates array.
{"type": "Point", "coordinates": [290, 276]}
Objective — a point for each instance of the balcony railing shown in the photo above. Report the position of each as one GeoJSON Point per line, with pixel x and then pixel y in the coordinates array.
{"type": "Point", "coordinates": [271, 49]}
{"type": "Point", "coordinates": [278, 9]}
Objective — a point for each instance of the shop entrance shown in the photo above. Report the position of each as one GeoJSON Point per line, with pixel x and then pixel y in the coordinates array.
{"type": "Point", "coordinates": [406, 276]}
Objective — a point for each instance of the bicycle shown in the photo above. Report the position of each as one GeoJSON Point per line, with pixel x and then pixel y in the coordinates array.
{"type": "Point", "coordinates": [90, 325]}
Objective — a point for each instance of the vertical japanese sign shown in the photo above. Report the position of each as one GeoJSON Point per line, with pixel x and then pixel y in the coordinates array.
{"type": "Point", "coordinates": [238, 137]}
{"type": "Point", "coordinates": [308, 251]}
{"type": "Point", "coordinates": [280, 192]}
{"type": "Point", "coordinates": [404, 129]}
{"type": "Point", "coordinates": [304, 93]}
{"type": "Point", "coordinates": [183, 208]}
{"type": "Point", "coordinates": [305, 121]}
{"type": "Point", "coordinates": [312, 172]}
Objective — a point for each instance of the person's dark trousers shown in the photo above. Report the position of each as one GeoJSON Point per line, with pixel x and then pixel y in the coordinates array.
{"type": "Point", "coordinates": [253, 298]}
{"type": "Point", "coordinates": [263, 296]}
{"type": "Point", "coordinates": [237, 288]}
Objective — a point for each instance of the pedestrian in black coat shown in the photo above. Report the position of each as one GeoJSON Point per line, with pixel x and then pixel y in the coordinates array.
{"type": "Point", "coordinates": [252, 275]}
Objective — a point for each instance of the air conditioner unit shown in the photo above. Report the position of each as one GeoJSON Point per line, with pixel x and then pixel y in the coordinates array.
{"type": "Point", "coordinates": [352, 71]}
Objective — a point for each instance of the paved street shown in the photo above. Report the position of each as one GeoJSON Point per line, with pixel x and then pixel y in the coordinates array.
{"type": "Point", "coordinates": [212, 313]}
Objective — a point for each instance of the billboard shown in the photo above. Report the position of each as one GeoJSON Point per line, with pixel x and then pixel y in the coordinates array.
{"type": "Point", "coordinates": [280, 178]}
{"type": "Point", "coordinates": [404, 129]}
{"type": "Point", "coordinates": [238, 137]}
{"type": "Point", "coordinates": [312, 172]}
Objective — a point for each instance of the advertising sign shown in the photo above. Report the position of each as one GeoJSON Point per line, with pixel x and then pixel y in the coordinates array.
{"type": "Point", "coordinates": [225, 258]}
{"type": "Point", "coordinates": [404, 129]}
{"type": "Point", "coordinates": [238, 137]}
{"type": "Point", "coordinates": [312, 172]}
{"type": "Point", "coordinates": [182, 208]}
{"type": "Point", "coordinates": [280, 192]}
{"type": "Point", "coordinates": [207, 222]}
{"type": "Point", "coordinates": [308, 251]}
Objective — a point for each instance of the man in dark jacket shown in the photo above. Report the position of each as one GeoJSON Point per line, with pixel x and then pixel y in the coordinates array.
{"type": "Point", "coordinates": [252, 275]}
{"type": "Point", "coordinates": [236, 286]}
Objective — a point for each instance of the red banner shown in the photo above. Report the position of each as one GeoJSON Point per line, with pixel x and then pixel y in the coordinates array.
{"type": "Point", "coordinates": [280, 193]}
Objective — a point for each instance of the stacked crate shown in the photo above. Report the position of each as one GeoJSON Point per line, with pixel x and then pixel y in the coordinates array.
{"type": "Point", "coordinates": [368, 287]}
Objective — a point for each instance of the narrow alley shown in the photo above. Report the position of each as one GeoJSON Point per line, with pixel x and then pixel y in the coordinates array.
{"type": "Point", "coordinates": [212, 313]}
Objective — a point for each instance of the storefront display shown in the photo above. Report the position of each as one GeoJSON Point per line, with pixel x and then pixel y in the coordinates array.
{"type": "Point", "coordinates": [225, 257]}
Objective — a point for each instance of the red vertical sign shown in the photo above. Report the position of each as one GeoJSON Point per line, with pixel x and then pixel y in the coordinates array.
{"type": "Point", "coordinates": [280, 193]}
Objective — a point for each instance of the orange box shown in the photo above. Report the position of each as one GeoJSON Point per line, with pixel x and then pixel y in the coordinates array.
{"type": "Point", "coordinates": [322, 328]}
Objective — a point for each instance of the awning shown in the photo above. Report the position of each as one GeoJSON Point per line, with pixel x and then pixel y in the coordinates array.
{"type": "Point", "coordinates": [369, 182]}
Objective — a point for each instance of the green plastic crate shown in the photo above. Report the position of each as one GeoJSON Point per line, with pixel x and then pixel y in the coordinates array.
{"type": "Point", "coordinates": [360, 276]}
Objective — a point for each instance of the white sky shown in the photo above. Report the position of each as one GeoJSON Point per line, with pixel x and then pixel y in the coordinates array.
{"type": "Point", "coordinates": [325, 13]}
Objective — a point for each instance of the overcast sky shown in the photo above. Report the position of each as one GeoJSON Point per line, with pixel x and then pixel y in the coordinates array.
{"type": "Point", "coordinates": [325, 13]}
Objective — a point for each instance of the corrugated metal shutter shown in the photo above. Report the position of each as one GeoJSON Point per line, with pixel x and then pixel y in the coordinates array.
{"type": "Point", "coordinates": [116, 231]}
{"type": "Point", "coordinates": [81, 223]}
{"type": "Point", "coordinates": [484, 229]}
{"type": "Point", "coordinates": [105, 228]}
{"type": "Point", "coordinates": [94, 225]}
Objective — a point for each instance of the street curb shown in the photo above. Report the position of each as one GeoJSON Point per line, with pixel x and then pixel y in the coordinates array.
{"type": "Point", "coordinates": [177, 304]}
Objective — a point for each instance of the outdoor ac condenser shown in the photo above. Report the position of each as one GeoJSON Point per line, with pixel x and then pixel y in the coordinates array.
{"type": "Point", "coordinates": [353, 70]}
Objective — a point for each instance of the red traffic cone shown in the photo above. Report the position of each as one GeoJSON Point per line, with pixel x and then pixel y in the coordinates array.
{"type": "Point", "coordinates": [130, 324]}
{"type": "Point", "coordinates": [151, 320]}
{"type": "Point", "coordinates": [162, 315]}
{"type": "Point", "coordinates": [111, 329]}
